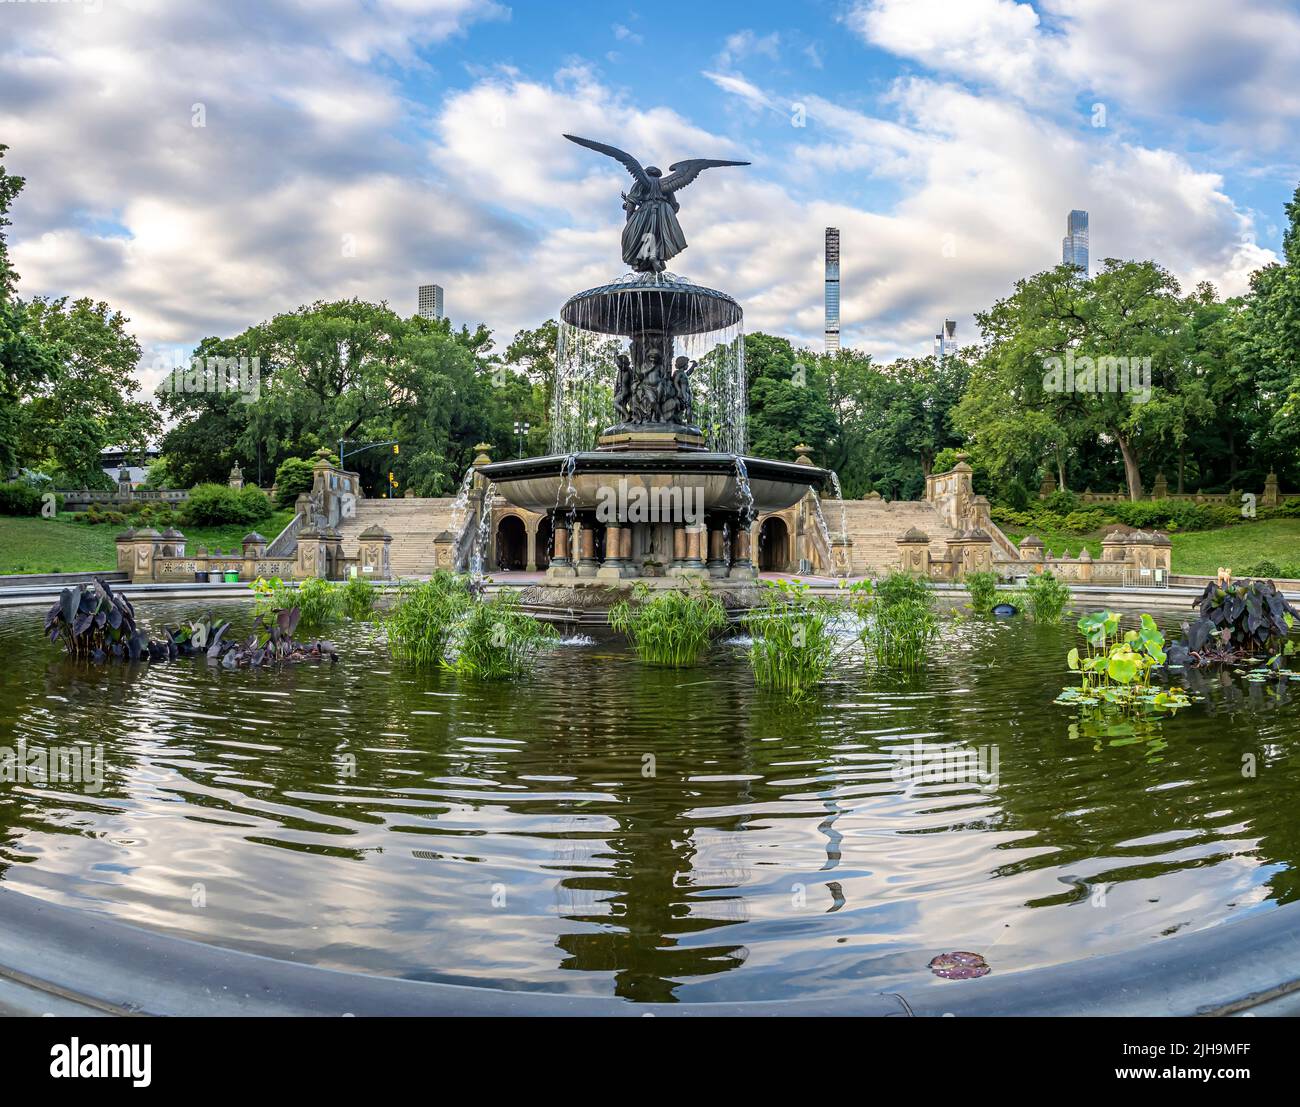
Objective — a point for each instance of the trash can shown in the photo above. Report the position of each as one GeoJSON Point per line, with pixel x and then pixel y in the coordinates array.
{"type": "Point", "coordinates": [232, 576]}
{"type": "Point", "coordinates": [214, 576]}
{"type": "Point", "coordinates": [201, 575]}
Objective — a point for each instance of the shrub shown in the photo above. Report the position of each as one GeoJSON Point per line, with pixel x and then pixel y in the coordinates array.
{"type": "Point", "coordinates": [1081, 522]}
{"type": "Point", "coordinates": [671, 628]}
{"type": "Point", "coordinates": [219, 504]}
{"type": "Point", "coordinates": [1269, 570]}
{"type": "Point", "coordinates": [292, 478]}
{"type": "Point", "coordinates": [983, 589]}
{"type": "Point", "coordinates": [1062, 501]}
{"type": "Point", "coordinates": [1044, 597]}
{"type": "Point", "coordinates": [793, 647]}
{"type": "Point", "coordinates": [19, 498]}
{"type": "Point", "coordinates": [1015, 495]}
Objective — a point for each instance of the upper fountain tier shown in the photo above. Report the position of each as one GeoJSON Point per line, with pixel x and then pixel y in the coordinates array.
{"type": "Point", "coordinates": [651, 303]}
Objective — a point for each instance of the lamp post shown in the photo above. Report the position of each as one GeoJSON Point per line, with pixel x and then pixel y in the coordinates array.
{"type": "Point", "coordinates": [521, 430]}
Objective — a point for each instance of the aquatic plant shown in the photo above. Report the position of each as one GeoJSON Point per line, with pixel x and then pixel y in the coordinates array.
{"type": "Point", "coordinates": [898, 620]}
{"type": "Point", "coordinates": [1115, 673]}
{"type": "Point", "coordinates": [422, 620]}
{"type": "Point", "coordinates": [96, 623]}
{"type": "Point", "coordinates": [320, 600]}
{"type": "Point", "coordinates": [1240, 622]}
{"type": "Point", "coordinates": [1044, 596]}
{"type": "Point", "coordinates": [669, 627]}
{"type": "Point", "coordinates": [495, 639]}
{"type": "Point", "coordinates": [358, 597]}
{"type": "Point", "coordinates": [983, 589]}
{"type": "Point", "coordinates": [793, 646]}
{"type": "Point", "coordinates": [270, 595]}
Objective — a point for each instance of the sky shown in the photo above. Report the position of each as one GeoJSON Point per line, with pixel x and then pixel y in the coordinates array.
{"type": "Point", "coordinates": [205, 165]}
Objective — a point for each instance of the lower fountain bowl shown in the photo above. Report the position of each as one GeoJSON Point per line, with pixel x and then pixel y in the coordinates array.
{"type": "Point", "coordinates": [614, 479]}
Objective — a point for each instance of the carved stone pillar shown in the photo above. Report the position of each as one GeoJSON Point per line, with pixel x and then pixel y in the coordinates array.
{"type": "Point", "coordinates": [717, 564]}
{"type": "Point", "coordinates": [742, 566]}
{"type": "Point", "coordinates": [587, 563]}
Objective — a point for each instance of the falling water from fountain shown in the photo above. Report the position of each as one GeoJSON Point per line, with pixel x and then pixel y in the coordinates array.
{"type": "Point", "coordinates": [844, 515]}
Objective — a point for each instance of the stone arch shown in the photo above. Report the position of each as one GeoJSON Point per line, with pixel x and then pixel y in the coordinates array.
{"type": "Point", "coordinates": [774, 545]}
{"type": "Point", "coordinates": [511, 543]}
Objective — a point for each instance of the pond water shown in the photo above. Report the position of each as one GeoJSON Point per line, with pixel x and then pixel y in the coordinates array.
{"type": "Point", "coordinates": [607, 828]}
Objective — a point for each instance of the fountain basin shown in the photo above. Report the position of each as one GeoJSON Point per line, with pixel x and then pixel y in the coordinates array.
{"type": "Point", "coordinates": [542, 484]}
{"type": "Point", "coordinates": [655, 302]}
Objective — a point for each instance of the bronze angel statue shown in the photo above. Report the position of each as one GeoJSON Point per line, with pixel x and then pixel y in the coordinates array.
{"type": "Point", "coordinates": [652, 234]}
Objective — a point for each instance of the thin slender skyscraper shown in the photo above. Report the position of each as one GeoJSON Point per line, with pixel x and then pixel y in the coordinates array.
{"type": "Point", "coordinates": [430, 301]}
{"type": "Point", "coordinates": [945, 342]}
{"type": "Point", "coordinates": [1074, 246]}
{"type": "Point", "coordinates": [832, 288]}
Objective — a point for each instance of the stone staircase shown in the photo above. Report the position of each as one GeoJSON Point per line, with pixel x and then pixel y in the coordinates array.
{"type": "Point", "coordinates": [412, 522]}
{"type": "Point", "coordinates": [875, 526]}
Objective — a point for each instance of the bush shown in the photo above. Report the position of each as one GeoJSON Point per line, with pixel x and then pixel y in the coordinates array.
{"type": "Point", "coordinates": [1015, 495]}
{"type": "Point", "coordinates": [1174, 514]}
{"type": "Point", "coordinates": [1269, 570]}
{"type": "Point", "coordinates": [19, 498]}
{"type": "Point", "coordinates": [1062, 501]}
{"type": "Point", "coordinates": [672, 628]}
{"type": "Point", "coordinates": [219, 504]}
{"type": "Point", "coordinates": [319, 601]}
{"type": "Point", "coordinates": [983, 589]}
{"type": "Point", "coordinates": [1044, 597]}
{"type": "Point", "coordinates": [292, 478]}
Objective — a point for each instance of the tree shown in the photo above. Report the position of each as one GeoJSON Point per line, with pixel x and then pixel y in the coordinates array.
{"type": "Point", "coordinates": [85, 403]}
{"type": "Point", "coordinates": [787, 399]}
{"type": "Point", "coordinates": [1025, 403]}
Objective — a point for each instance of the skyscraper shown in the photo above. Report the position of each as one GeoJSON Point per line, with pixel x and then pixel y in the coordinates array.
{"type": "Point", "coordinates": [430, 301]}
{"type": "Point", "coordinates": [1074, 246]}
{"type": "Point", "coordinates": [945, 342]}
{"type": "Point", "coordinates": [832, 288]}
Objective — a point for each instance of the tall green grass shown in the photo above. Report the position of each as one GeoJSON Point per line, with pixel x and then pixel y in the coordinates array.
{"type": "Point", "coordinates": [671, 628]}
{"type": "Point", "coordinates": [440, 622]}
{"type": "Point", "coordinates": [983, 589]}
{"type": "Point", "coordinates": [793, 645]}
{"type": "Point", "coordinates": [423, 618]}
{"type": "Point", "coordinates": [1044, 597]}
{"type": "Point", "coordinates": [898, 620]}
{"type": "Point", "coordinates": [496, 640]}
{"type": "Point", "coordinates": [359, 597]}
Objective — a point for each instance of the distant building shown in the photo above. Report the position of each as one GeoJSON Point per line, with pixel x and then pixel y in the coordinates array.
{"type": "Point", "coordinates": [832, 288]}
{"type": "Point", "coordinates": [430, 301]}
{"type": "Point", "coordinates": [945, 342]}
{"type": "Point", "coordinates": [1074, 246]}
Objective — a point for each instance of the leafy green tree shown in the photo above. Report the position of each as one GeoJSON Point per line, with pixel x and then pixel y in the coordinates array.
{"type": "Point", "coordinates": [86, 403]}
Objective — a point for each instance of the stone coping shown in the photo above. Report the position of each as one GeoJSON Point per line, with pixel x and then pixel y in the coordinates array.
{"type": "Point", "coordinates": [62, 960]}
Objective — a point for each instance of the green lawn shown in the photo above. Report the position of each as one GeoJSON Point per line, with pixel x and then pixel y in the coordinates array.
{"type": "Point", "coordinates": [1201, 551]}
{"type": "Point", "coordinates": [35, 545]}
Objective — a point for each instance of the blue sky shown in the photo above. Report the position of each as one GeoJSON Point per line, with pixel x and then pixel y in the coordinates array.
{"type": "Point", "coordinates": [204, 166]}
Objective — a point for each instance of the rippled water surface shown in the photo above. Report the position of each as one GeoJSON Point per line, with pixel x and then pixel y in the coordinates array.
{"type": "Point", "coordinates": [611, 829]}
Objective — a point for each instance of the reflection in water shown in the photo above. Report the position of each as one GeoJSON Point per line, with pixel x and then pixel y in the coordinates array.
{"type": "Point", "coordinates": [613, 829]}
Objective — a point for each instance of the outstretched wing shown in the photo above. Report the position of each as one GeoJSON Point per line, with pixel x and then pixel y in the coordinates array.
{"type": "Point", "coordinates": [632, 165]}
{"type": "Point", "coordinates": [683, 173]}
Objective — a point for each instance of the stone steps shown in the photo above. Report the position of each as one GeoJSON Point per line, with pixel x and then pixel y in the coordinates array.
{"type": "Point", "coordinates": [875, 526]}
{"type": "Point", "coordinates": [413, 523]}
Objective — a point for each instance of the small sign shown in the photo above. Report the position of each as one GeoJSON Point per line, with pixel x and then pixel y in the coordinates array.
{"type": "Point", "coordinates": [1160, 575]}
{"type": "Point", "coordinates": [1144, 572]}
{"type": "Point", "coordinates": [367, 568]}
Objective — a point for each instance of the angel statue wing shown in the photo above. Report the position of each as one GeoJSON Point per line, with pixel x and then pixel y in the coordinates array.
{"type": "Point", "coordinates": [630, 163]}
{"type": "Point", "coordinates": [683, 173]}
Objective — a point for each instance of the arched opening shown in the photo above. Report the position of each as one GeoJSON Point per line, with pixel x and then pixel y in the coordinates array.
{"type": "Point", "coordinates": [512, 544]}
{"type": "Point", "coordinates": [773, 545]}
{"type": "Point", "coordinates": [545, 542]}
